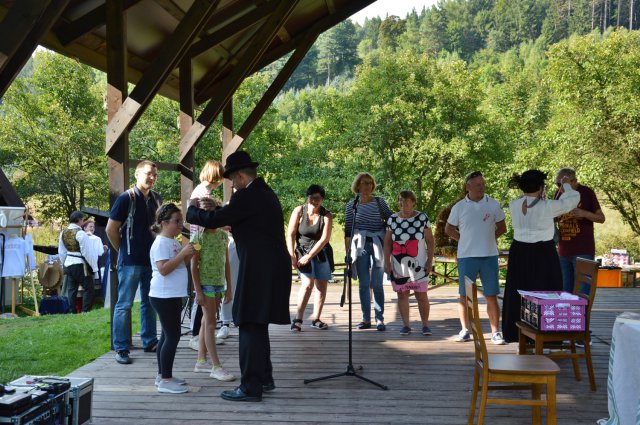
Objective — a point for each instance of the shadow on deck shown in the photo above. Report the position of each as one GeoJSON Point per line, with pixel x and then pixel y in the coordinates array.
{"type": "Point", "coordinates": [429, 378]}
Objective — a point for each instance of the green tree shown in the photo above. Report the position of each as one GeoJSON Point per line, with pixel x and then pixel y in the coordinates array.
{"type": "Point", "coordinates": [595, 125]}
{"type": "Point", "coordinates": [412, 121]}
{"type": "Point", "coordinates": [391, 30]}
{"type": "Point", "coordinates": [54, 125]}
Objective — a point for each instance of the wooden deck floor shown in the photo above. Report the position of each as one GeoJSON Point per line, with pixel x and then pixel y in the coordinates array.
{"type": "Point", "coordinates": [429, 378]}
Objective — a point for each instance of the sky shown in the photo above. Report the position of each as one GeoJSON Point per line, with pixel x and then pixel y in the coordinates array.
{"type": "Point", "coordinates": [382, 8]}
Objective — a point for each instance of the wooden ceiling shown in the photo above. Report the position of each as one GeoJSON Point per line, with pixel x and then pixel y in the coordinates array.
{"type": "Point", "coordinates": [77, 29]}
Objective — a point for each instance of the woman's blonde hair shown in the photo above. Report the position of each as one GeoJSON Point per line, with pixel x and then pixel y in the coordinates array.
{"type": "Point", "coordinates": [355, 186]}
{"type": "Point", "coordinates": [212, 172]}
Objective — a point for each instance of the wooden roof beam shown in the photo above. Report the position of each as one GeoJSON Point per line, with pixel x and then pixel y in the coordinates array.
{"type": "Point", "coordinates": [320, 26]}
{"type": "Point", "coordinates": [249, 58]}
{"type": "Point", "coordinates": [271, 93]}
{"type": "Point", "coordinates": [317, 28]}
{"type": "Point", "coordinates": [86, 23]}
{"type": "Point", "coordinates": [26, 23]}
{"type": "Point", "coordinates": [174, 50]}
{"type": "Point", "coordinates": [232, 29]}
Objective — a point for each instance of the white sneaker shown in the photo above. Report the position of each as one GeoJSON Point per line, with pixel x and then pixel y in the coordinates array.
{"type": "Point", "coordinates": [463, 336]}
{"type": "Point", "coordinates": [194, 343]}
{"type": "Point", "coordinates": [171, 387]}
{"type": "Point", "coordinates": [219, 341]}
{"type": "Point", "coordinates": [221, 374]}
{"type": "Point", "coordinates": [203, 367]}
{"type": "Point", "coordinates": [497, 339]}
{"type": "Point", "coordinates": [178, 380]}
{"type": "Point", "coordinates": [223, 333]}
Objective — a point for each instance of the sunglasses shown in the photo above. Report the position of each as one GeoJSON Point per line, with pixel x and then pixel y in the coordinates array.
{"type": "Point", "coordinates": [472, 176]}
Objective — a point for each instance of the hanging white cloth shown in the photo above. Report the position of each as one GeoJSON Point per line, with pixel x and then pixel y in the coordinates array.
{"type": "Point", "coordinates": [14, 257]}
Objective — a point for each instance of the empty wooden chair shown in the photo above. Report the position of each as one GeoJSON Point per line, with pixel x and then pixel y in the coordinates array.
{"type": "Point", "coordinates": [508, 372]}
{"type": "Point", "coordinates": [585, 287]}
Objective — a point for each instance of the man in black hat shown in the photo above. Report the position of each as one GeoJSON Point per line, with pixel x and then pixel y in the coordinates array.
{"type": "Point", "coordinates": [264, 276]}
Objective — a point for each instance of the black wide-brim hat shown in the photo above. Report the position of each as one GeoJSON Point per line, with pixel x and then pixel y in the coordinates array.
{"type": "Point", "coordinates": [237, 161]}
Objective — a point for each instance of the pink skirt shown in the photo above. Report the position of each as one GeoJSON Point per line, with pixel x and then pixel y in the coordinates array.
{"type": "Point", "coordinates": [411, 286]}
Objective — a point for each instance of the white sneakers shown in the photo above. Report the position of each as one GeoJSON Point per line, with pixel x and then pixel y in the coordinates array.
{"type": "Point", "coordinates": [203, 367]}
{"type": "Point", "coordinates": [221, 374]}
{"type": "Point", "coordinates": [223, 333]}
{"type": "Point", "coordinates": [463, 336]}
{"type": "Point", "coordinates": [497, 339]}
{"type": "Point", "coordinates": [193, 343]}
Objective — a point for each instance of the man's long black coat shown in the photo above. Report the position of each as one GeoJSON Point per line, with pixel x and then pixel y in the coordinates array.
{"type": "Point", "coordinates": [264, 275]}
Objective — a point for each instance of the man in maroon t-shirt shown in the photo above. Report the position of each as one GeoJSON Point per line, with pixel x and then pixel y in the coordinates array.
{"type": "Point", "coordinates": [576, 228]}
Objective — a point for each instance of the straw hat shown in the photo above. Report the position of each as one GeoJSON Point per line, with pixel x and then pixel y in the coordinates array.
{"type": "Point", "coordinates": [50, 274]}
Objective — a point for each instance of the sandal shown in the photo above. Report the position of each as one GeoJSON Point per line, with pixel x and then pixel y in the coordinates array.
{"type": "Point", "coordinates": [296, 326]}
{"type": "Point", "coordinates": [319, 324]}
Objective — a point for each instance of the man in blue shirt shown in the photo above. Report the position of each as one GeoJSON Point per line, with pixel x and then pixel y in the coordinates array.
{"type": "Point", "coordinates": [128, 223]}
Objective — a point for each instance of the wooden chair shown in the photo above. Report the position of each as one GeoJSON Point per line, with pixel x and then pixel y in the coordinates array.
{"type": "Point", "coordinates": [585, 287]}
{"type": "Point", "coordinates": [509, 372]}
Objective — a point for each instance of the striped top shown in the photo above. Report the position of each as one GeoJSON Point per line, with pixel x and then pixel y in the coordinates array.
{"type": "Point", "coordinates": [368, 216]}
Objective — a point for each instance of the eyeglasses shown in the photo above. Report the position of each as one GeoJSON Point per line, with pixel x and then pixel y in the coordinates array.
{"type": "Point", "coordinates": [472, 176]}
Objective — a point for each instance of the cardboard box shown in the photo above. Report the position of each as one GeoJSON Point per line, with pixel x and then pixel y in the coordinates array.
{"type": "Point", "coordinates": [554, 315]}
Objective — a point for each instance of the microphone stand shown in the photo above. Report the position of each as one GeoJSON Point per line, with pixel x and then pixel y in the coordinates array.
{"type": "Point", "coordinates": [351, 371]}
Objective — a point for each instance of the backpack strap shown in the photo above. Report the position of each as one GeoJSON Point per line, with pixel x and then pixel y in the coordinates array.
{"type": "Point", "coordinates": [383, 216]}
{"type": "Point", "coordinates": [129, 222]}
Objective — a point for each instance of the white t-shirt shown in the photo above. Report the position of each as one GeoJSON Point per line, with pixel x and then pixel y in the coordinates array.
{"type": "Point", "coordinates": [476, 222]}
{"type": "Point", "coordinates": [173, 285]}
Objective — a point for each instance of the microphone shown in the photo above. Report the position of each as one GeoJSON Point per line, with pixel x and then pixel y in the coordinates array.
{"type": "Point", "coordinates": [356, 200]}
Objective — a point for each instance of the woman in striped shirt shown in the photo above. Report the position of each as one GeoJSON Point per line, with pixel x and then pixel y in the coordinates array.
{"type": "Point", "coordinates": [365, 241]}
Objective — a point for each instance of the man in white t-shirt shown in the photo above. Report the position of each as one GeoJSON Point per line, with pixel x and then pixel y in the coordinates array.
{"type": "Point", "coordinates": [476, 222]}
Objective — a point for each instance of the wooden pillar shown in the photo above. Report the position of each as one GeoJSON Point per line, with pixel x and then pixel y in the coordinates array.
{"type": "Point", "coordinates": [118, 156]}
{"type": "Point", "coordinates": [227, 136]}
{"type": "Point", "coordinates": [185, 121]}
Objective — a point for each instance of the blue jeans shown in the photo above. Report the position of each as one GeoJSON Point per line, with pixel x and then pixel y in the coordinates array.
{"type": "Point", "coordinates": [370, 276]}
{"type": "Point", "coordinates": [129, 277]}
{"type": "Point", "coordinates": [568, 267]}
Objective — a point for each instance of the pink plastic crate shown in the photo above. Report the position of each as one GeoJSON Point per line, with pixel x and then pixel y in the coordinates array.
{"type": "Point", "coordinates": [553, 315]}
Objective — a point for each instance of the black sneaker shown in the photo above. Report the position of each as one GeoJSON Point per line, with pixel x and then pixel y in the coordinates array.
{"type": "Point", "coordinates": [122, 357]}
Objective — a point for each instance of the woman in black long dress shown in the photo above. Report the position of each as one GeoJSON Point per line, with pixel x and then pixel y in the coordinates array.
{"type": "Point", "coordinates": [533, 259]}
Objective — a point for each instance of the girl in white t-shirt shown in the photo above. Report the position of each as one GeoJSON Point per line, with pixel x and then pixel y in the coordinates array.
{"type": "Point", "coordinates": [169, 281]}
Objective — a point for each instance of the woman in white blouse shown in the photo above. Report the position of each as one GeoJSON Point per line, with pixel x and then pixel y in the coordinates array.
{"type": "Point", "coordinates": [533, 259]}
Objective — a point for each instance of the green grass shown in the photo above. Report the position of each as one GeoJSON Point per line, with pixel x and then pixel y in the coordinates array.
{"type": "Point", "coordinates": [55, 344]}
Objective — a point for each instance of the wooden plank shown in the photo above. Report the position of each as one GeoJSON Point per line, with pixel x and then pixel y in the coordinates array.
{"type": "Point", "coordinates": [286, 47]}
{"type": "Point", "coordinates": [227, 137]}
{"type": "Point", "coordinates": [118, 156]}
{"type": "Point", "coordinates": [25, 39]}
{"type": "Point", "coordinates": [90, 21]}
{"type": "Point", "coordinates": [185, 121]}
{"type": "Point", "coordinates": [153, 78]}
{"type": "Point", "coordinates": [16, 25]}
{"type": "Point", "coordinates": [242, 23]}
{"type": "Point", "coordinates": [271, 93]}
{"type": "Point", "coordinates": [262, 39]}
{"type": "Point", "coordinates": [430, 378]}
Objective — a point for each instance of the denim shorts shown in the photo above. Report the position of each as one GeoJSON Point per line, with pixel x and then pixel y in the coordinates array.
{"type": "Point", "coordinates": [211, 291]}
{"type": "Point", "coordinates": [319, 270]}
{"type": "Point", "coordinates": [488, 269]}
